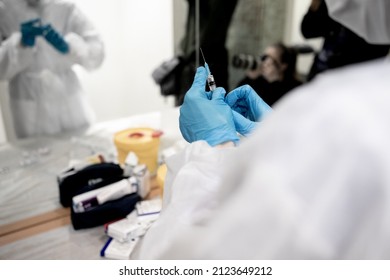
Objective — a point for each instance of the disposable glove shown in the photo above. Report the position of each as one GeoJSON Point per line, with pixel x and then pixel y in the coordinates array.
{"type": "Point", "coordinates": [30, 29]}
{"type": "Point", "coordinates": [55, 39]}
{"type": "Point", "coordinates": [249, 108]}
{"type": "Point", "coordinates": [206, 116]}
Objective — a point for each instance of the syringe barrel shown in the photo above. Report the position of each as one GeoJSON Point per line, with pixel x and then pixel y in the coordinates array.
{"type": "Point", "coordinates": [211, 82]}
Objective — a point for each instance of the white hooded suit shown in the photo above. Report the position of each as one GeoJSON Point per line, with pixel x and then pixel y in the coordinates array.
{"type": "Point", "coordinates": [45, 93]}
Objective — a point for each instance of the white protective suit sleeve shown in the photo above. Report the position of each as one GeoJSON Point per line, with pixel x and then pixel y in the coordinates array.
{"type": "Point", "coordinates": [195, 181]}
{"type": "Point", "coordinates": [86, 46]}
{"type": "Point", "coordinates": [312, 183]}
{"type": "Point", "coordinates": [13, 56]}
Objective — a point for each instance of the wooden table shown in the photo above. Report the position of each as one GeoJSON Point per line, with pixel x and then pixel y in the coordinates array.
{"type": "Point", "coordinates": [31, 216]}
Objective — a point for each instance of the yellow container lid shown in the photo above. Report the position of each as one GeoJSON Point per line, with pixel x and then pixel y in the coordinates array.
{"type": "Point", "coordinates": [137, 139]}
{"type": "Point", "coordinates": [143, 141]}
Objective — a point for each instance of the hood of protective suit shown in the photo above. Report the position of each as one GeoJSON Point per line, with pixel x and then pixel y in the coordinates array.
{"type": "Point", "coordinates": [369, 19]}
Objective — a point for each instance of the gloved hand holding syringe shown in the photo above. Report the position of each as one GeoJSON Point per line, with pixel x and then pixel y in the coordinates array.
{"type": "Point", "coordinates": [210, 78]}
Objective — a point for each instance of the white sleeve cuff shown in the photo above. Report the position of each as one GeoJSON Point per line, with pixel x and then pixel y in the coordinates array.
{"type": "Point", "coordinates": [77, 46]}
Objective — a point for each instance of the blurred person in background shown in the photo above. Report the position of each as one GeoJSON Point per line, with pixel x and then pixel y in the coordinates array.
{"type": "Point", "coordinates": [275, 75]}
{"type": "Point", "coordinates": [41, 40]}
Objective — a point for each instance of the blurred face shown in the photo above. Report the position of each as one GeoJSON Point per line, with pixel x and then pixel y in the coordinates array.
{"type": "Point", "coordinates": [271, 66]}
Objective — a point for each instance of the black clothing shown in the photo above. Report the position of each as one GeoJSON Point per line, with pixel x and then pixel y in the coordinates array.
{"type": "Point", "coordinates": [341, 46]}
{"type": "Point", "coordinates": [270, 92]}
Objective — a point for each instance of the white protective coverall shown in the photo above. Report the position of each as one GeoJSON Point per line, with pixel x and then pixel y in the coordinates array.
{"type": "Point", "coordinates": [45, 93]}
{"type": "Point", "coordinates": [313, 182]}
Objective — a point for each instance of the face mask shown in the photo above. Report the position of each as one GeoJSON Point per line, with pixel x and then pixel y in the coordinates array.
{"type": "Point", "coordinates": [370, 19]}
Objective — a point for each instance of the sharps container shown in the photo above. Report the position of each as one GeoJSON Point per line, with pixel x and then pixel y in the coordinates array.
{"type": "Point", "coordinates": [143, 141]}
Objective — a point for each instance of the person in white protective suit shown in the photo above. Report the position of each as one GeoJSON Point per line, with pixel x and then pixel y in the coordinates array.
{"type": "Point", "coordinates": [41, 40]}
{"type": "Point", "coordinates": [311, 182]}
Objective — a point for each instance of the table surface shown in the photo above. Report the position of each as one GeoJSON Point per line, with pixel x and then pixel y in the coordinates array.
{"type": "Point", "coordinates": [29, 191]}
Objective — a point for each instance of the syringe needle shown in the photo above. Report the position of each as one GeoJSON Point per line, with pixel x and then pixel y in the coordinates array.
{"type": "Point", "coordinates": [205, 63]}
{"type": "Point", "coordinates": [202, 55]}
{"type": "Point", "coordinates": [210, 78]}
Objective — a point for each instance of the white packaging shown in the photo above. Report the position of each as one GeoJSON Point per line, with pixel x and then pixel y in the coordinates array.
{"type": "Point", "coordinates": [87, 200]}
{"type": "Point", "coordinates": [133, 226]}
{"type": "Point", "coordinates": [142, 174]}
{"type": "Point", "coordinates": [148, 207]}
{"type": "Point", "coordinates": [125, 229]}
{"type": "Point", "coordinates": [116, 190]}
{"type": "Point", "coordinates": [114, 249]}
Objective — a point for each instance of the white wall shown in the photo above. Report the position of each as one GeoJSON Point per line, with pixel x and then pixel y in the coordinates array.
{"type": "Point", "coordinates": [3, 136]}
{"type": "Point", "coordinates": [2, 131]}
{"type": "Point", "coordinates": [138, 36]}
{"type": "Point", "coordinates": [295, 11]}
{"type": "Point", "coordinates": [180, 13]}
{"type": "Point", "coordinates": [6, 126]}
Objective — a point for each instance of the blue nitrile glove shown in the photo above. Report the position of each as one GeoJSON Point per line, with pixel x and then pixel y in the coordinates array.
{"type": "Point", "coordinates": [30, 29]}
{"type": "Point", "coordinates": [55, 39]}
{"type": "Point", "coordinates": [249, 108]}
{"type": "Point", "coordinates": [206, 119]}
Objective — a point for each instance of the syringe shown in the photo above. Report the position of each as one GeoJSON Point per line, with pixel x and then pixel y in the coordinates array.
{"type": "Point", "coordinates": [210, 78]}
